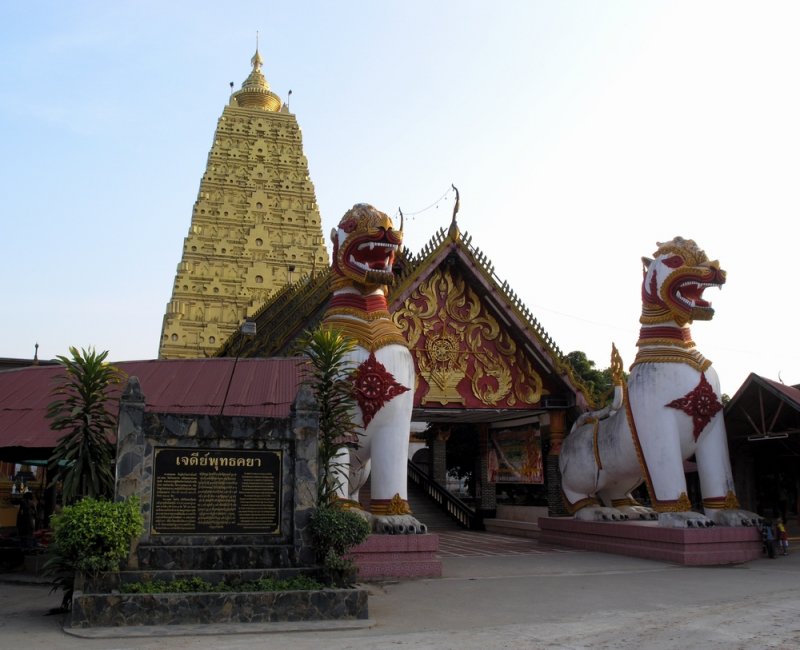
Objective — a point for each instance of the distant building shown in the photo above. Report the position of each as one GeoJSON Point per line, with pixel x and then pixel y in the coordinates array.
{"type": "Point", "coordinates": [255, 225]}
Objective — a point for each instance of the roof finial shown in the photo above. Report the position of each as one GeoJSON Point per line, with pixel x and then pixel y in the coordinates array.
{"type": "Point", "coordinates": [257, 61]}
{"type": "Point", "coordinates": [453, 232]}
{"type": "Point", "coordinates": [36, 354]}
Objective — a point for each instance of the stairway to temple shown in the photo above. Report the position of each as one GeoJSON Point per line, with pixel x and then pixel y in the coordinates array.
{"type": "Point", "coordinates": [423, 507]}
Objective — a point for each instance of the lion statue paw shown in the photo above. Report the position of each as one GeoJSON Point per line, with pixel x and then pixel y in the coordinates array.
{"type": "Point", "coordinates": [600, 513]}
{"type": "Point", "coordinates": [734, 517]}
{"type": "Point", "coordinates": [397, 525]}
{"type": "Point", "coordinates": [641, 513]}
{"type": "Point", "coordinates": [686, 519]}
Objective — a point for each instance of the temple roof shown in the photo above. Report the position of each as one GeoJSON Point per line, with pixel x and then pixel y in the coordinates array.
{"type": "Point", "coordinates": [454, 248]}
{"type": "Point", "coordinates": [762, 410]}
{"type": "Point", "coordinates": [299, 307]}
{"type": "Point", "coordinates": [231, 387]}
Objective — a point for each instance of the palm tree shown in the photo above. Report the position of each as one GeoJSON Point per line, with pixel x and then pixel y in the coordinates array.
{"type": "Point", "coordinates": [331, 382]}
{"type": "Point", "coordinates": [83, 458]}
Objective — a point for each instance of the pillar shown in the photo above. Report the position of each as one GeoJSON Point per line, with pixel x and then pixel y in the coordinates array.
{"type": "Point", "coordinates": [439, 455]}
{"type": "Point", "coordinates": [556, 430]}
{"type": "Point", "coordinates": [487, 496]}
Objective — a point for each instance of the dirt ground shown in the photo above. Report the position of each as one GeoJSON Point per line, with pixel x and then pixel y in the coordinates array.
{"type": "Point", "coordinates": [565, 599]}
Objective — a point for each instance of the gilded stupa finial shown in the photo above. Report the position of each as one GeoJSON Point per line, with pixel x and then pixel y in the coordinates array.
{"type": "Point", "coordinates": [255, 92]}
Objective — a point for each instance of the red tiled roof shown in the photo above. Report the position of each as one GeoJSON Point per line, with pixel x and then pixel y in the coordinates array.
{"type": "Point", "coordinates": [258, 388]}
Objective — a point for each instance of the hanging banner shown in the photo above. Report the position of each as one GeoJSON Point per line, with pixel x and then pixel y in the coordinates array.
{"type": "Point", "coordinates": [515, 456]}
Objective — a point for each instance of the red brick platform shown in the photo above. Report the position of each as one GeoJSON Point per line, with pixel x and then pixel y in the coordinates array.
{"type": "Point", "coordinates": [384, 557]}
{"type": "Point", "coordinates": [646, 539]}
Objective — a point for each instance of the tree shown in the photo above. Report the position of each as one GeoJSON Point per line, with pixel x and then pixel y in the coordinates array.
{"type": "Point", "coordinates": [599, 382]}
{"type": "Point", "coordinates": [331, 382]}
{"type": "Point", "coordinates": [83, 457]}
{"type": "Point", "coordinates": [335, 530]}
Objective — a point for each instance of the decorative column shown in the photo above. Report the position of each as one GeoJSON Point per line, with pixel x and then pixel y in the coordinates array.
{"type": "Point", "coordinates": [439, 455]}
{"type": "Point", "coordinates": [556, 430]}
{"type": "Point", "coordinates": [487, 496]}
{"type": "Point", "coordinates": [131, 477]}
{"type": "Point", "coordinates": [305, 430]}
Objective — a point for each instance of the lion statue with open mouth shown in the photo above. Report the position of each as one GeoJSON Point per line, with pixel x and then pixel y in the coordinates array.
{"type": "Point", "coordinates": [364, 247]}
{"type": "Point", "coordinates": [669, 411]}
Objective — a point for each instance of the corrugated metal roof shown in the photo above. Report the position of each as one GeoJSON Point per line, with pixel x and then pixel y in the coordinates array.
{"type": "Point", "coordinates": [244, 387]}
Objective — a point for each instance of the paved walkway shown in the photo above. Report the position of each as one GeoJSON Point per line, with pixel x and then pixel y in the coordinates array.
{"type": "Point", "coordinates": [527, 597]}
{"type": "Point", "coordinates": [465, 543]}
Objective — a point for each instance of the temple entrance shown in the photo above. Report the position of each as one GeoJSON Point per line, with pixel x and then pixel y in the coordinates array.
{"type": "Point", "coordinates": [487, 466]}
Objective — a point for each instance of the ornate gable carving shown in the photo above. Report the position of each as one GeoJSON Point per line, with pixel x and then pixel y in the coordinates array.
{"type": "Point", "coordinates": [464, 357]}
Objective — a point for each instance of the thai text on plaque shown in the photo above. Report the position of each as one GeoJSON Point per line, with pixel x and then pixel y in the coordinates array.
{"type": "Point", "coordinates": [216, 491]}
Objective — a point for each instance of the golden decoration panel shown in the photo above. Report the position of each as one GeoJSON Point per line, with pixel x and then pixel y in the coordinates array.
{"type": "Point", "coordinates": [464, 357]}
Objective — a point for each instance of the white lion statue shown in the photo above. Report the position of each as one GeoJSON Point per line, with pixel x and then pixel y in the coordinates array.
{"type": "Point", "coordinates": [364, 248]}
{"type": "Point", "coordinates": [669, 411]}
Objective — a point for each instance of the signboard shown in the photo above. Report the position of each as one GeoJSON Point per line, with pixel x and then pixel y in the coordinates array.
{"type": "Point", "coordinates": [515, 456]}
{"type": "Point", "coordinates": [216, 491]}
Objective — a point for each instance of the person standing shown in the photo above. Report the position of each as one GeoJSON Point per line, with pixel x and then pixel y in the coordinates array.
{"type": "Point", "coordinates": [783, 536]}
{"type": "Point", "coordinates": [768, 537]}
{"type": "Point", "coordinates": [26, 521]}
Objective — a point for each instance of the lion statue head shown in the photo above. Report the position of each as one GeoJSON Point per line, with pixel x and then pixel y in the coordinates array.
{"type": "Point", "coordinates": [674, 282]}
{"type": "Point", "coordinates": [364, 247]}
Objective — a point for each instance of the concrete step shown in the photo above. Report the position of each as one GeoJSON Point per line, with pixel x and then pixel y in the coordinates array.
{"type": "Point", "coordinates": [512, 527]}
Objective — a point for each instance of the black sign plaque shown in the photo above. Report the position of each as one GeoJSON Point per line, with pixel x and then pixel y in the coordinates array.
{"type": "Point", "coordinates": [216, 491]}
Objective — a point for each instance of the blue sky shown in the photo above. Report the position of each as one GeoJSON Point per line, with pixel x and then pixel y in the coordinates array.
{"type": "Point", "coordinates": [578, 133]}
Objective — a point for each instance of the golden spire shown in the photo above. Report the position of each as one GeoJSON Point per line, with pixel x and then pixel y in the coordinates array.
{"type": "Point", "coordinates": [255, 92]}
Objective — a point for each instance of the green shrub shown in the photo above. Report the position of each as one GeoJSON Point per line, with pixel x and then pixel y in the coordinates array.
{"type": "Point", "coordinates": [90, 536]}
{"type": "Point", "coordinates": [336, 532]}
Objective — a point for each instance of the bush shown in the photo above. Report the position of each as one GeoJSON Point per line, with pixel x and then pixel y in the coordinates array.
{"type": "Point", "coordinates": [335, 532]}
{"type": "Point", "coordinates": [91, 536]}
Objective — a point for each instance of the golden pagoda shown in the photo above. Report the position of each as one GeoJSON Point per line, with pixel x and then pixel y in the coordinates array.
{"type": "Point", "coordinates": [255, 224]}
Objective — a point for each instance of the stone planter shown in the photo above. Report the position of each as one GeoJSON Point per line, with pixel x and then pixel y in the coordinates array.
{"type": "Point", "coordinates": [114, 609]}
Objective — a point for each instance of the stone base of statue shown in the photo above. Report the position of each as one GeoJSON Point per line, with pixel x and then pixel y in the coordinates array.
{"type": "Point", "coordinates": [646, 539]}
{"type": "Point", "coordinates": [386, 557]}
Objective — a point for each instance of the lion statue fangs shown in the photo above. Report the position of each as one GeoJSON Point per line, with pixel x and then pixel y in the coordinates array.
{"type": "Point", "coordinates": [364, 247]}
{"type": "Point", "coordinates": [669, 410]}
